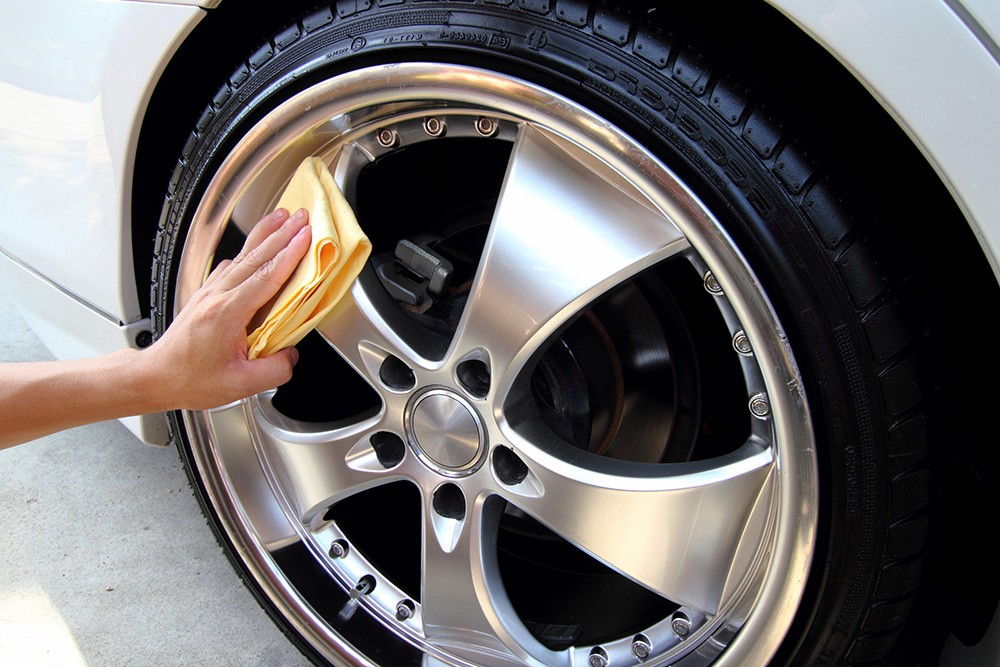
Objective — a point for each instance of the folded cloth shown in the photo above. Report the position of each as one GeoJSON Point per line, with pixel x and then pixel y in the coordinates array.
{"type": "Point", "coordinates": [336, 256]}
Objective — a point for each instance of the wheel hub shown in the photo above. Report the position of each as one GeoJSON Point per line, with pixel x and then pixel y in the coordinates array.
{"type": "Point", "coordinates": [445, 432]}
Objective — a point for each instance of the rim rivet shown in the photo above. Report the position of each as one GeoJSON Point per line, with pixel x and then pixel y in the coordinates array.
{"type": "Point", "coordinates": [486, 126]}
{"type": "Point", "coordinates": [434, 126]}
{"type": "Point", "coordinates": [641, 648]}
{"type": "Point", "coordinates": [387, 138]}
{"type": "Point", "coordinates": [598, 657]}
{"type": "Point", "coordinates": [404, 610]}
{"type": "Point", "coordinates": [338, 549]}
{"type": "Point", "coordinates": [759, 406]}
{"type": "Point", "coordinates": [711, 284]}
{"type": "Point", "coordinates": [681, 626]}
{"type": "Point", "coordinates": [741, 343]}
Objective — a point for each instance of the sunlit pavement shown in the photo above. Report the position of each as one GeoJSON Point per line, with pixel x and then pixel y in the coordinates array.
{"type": "Point", "coordinates": [105, 558]}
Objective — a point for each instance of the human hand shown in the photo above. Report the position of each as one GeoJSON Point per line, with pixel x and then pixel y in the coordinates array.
{"type": "Point", "coordinates": [201, 360]}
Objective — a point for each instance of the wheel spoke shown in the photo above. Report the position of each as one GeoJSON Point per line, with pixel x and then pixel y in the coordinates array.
{"type": "Point", "coordinates": [566, 229]}
{"type": "Point", "coordinates": [463, 604]}
{"type": "Point", "coordinates": [318, 465]}
{"type": "Point", "coordinates": [683, 533]}
{"type": "Point", "coordinates": [356, 329]}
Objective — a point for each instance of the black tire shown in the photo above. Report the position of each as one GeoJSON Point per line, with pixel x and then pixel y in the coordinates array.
{"type": "Point", "coordinates": [771, 166]}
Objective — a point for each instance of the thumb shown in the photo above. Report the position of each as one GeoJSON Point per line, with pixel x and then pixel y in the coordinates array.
{"type": "Point", "coordinates": [269, 371]}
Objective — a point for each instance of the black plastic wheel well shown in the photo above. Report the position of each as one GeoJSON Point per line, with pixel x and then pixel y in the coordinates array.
{"type": "Point", "coordinates": [207, 57]}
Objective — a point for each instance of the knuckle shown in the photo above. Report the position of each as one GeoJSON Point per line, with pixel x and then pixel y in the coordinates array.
{"type": "Point", "coordinates": [255, 257]}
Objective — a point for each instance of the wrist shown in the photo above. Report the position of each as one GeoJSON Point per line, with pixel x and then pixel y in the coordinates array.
{"type": "Point", "coordinates": [149, 382]}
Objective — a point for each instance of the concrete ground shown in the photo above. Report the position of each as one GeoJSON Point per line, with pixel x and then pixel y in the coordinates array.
{"type": "Point", "coordinates": [105, 558]}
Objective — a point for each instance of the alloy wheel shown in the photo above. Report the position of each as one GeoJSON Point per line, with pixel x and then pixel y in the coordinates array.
{"type": "Point", "coordinates": [489, 435]}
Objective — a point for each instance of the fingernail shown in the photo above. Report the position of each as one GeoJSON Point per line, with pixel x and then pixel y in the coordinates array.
{"type": "Point", "coordinates": [299, 215]}
{"type": "Point", "coordinates": [295, 356]}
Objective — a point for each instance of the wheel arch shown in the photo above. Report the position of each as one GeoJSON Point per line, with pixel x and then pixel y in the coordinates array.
{"type": "Point", "coordinates": [228, 32]}
{"type": "Point", "coordinates": [965, 81]}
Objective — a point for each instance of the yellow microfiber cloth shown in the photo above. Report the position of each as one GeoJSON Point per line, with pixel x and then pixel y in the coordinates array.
{"type": "Point", "coordinates": [336, 256]}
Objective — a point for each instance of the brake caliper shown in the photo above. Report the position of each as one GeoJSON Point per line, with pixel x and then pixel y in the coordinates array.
{"type": "Point", "coordinates": [416, 273]}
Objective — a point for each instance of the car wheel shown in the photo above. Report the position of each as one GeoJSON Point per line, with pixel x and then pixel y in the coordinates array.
{"type": "Point", "coordinates": [622, 381]}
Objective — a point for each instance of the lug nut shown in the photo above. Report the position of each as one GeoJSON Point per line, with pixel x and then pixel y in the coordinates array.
{"type": "Point", "coordinates": [405, 610]}
{"type": "Point", "coordinates": [681, 626]}
{"type": "Point", "coordinates": [486, 126]}
{"type": "Point", "coordinates": [711, 284]}
{"type": "Point", "coordinates": [741, 343]}
{"type": "Point", "coordinates": [338, 549]}
{"type": "Point", "coordinates": [434, 126]}
{"type": "Point", "coordinates": [387, 138]}
{"type": "Point", "coordinates": [759, 406]}
{"type": "Point", "coordinates": [598, 657]}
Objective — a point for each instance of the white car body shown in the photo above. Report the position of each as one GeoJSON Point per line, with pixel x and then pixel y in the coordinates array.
{"type": "Point", "coordinates": [76, 78]}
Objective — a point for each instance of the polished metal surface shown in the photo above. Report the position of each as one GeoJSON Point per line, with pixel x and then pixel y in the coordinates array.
{"type": "Point", "coordinates": [582, 208]}
{"type": "Point", "coordinates": [444, 428]}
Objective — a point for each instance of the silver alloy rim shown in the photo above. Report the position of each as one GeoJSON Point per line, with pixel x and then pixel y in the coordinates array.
{"type": "Point", "coordinates": [734, 534]}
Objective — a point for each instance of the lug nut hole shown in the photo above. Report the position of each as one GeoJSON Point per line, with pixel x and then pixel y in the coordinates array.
{"type": "Point", "coordinates": [449, 502]}
{"type": "Point", "coordinates": [395, 374]}
{"type": "Point", "coordinates": [508, 466]}
{"type": "Point", "coordinates": [474, 376]}
{"type": "Point", "coordinates": [389, 448]}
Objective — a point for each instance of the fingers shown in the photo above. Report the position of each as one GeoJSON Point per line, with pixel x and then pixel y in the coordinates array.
{"type": "Point", "coordinates": [270, 237]}
{"type": "Point", "coordinates": [217, 272]}
{"type": "Point", "coordinates": [264, 228]}
{"type": "Point", "coordinates": [268, 279]}
{"type": "Point", "coordinates": [268, 372]}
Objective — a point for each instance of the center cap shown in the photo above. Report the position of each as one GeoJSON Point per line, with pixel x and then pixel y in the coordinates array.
{"type": "Point", "coordinates": [446, 431]}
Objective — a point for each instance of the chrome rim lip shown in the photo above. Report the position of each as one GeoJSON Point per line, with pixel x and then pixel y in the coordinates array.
{"type": "Point", "coordinates": [387, 90]}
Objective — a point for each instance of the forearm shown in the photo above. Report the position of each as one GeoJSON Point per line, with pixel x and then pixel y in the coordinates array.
{"type": "Point", "coordinates": [200, 362]}
{"type": "Point", "coordinates": [39, 398]}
